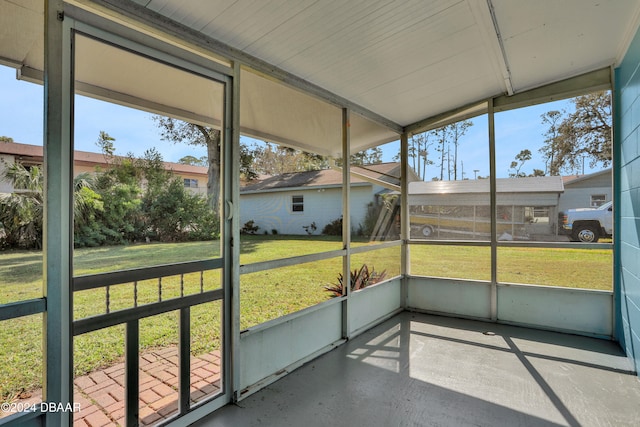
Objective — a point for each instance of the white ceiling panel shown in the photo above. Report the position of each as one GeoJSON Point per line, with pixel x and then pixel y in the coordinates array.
{"type": "Point", "coordinates": [18, 46]}
{"type": "Point", "coordinates": [549, 40]}
{"type": "Point", "coordinates": [106, 72]}
{"type": "Point", "coordinates": [277, 113]}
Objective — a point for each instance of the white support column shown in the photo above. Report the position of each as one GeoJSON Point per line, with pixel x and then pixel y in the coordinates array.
{"type": "Point", "coordinates": [405, 222]}
{"type": "Point", "coordinates": [346, 218]}
{"type": "Point", "coordinates": [493, 211]}
{"type": "Point", "coordinates": [58, 221]}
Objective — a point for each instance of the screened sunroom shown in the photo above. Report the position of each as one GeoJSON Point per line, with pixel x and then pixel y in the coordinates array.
{"type": "Point", "coordinates": [127, 300]}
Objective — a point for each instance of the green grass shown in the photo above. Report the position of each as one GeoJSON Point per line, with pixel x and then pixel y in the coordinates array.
{"type": "Point", "coordinates": [572, 268]}
{"type": "Point", "coordinates": [264, 295]}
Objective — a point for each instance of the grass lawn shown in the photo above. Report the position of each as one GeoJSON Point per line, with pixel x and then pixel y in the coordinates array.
{"type": "Point", "coordinates": [572, 268]}
{"type": "Point", "coordinates": [264, 295]}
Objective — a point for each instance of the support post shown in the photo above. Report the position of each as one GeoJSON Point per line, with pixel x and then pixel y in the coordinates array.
{"type": "Point", "coordinates": [185, 360]}
{"type": "Point", "coordinates": [58, 221]}
{"type": "Point", "coordinates": [131, 374]}
{"type": "Point", "coordinates": [405, 220]}
{"type": "Point", "coordinates": [346, 219]}
{"type": "Point", "coordinates": [231, 333]}
{"type": "Point", "coordinates": [493, 210]}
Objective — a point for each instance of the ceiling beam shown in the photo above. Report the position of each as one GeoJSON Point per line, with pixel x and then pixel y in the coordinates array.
{"type": "Point", "coordinates": [485, 17]}
{"type": "Point", "coordinates": [504, 63]}
{"type": "Point", "coordinates": [574, 86]}
{"type": "Point", "coordinates": [458, 114]}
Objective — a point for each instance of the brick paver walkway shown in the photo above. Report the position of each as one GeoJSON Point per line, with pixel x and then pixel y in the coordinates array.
{"type": "Point", "coordinates": [101, 393]}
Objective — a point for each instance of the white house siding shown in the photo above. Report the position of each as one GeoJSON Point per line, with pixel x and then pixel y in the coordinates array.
{"type": "Point", "coordinates": [272, 210]}
{"type": "Point", "coordinates": [5, 186]}
{"type": "Point", "coordinates": [578, 194]}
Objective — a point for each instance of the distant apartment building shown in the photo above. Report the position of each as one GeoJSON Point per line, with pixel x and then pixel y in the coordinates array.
{"type": "Point", "coordinates": [194, 177]}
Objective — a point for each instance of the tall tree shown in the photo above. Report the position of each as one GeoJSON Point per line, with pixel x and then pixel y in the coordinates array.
{"type": "Point", "coordinates": [193, 161]}
{"type": "Point", "coordinates": [589, 127]}
{"type": "Point", "coordinates": [585, 132]}
{"type": "Point", "coordinates": [458, 130]}
{"type": "Point", "coordinates": [521, 158]}
{"type": "Point", "coordinates": [273, 159]}
{"type": "Point", "coordinates": [178, 131]}
{"type": "Point", "coordinates": [21, 211]}
{"type": "Point", "coordinates": [447, 139]}
{"type": "Point", "coordinates": [553, 150]}
{"type": "Point", "coordinates": [442, 137]}
{"type": "Point", "coordinates": [369, 156]}
{"type": "Point", "coordinates": [418, 153]}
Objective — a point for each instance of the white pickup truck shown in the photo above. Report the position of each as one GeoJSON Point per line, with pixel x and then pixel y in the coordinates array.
{"type": "Point", "coordinates": [588, 224]}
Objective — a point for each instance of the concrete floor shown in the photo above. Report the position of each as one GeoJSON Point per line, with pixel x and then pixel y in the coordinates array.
{"type": "Point", "coordinates": [421, 370]}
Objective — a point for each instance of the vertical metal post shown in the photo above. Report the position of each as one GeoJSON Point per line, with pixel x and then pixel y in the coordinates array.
{"type": "Point", "coordinates": [346, 218]}
{"type": "Point", "coordinates": [405, 219]}
{"type": "Point", "coordinates": [231, 346]}
{"type": "Point", "coordinates": [57, 241]}
{"type": "Point", "coordinates": [131, 369]}
{"type": "Point", "coordinates": [616, 167]}
{"type": "Point", "coordinates": [185, 360]}
{"type": "Point", "coordinates": [493, 211]}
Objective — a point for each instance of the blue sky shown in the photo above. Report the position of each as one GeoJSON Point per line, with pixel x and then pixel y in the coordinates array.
{"type": "Point", "coordinates": [134, 131]}
{"type": "Point", "coordinates": [21, 118]}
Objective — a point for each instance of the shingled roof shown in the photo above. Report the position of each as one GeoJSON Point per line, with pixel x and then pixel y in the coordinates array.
{"type": "Point", "coordinates": [34, 154]}
{"type": "Point", "coordinates": [388, 172]}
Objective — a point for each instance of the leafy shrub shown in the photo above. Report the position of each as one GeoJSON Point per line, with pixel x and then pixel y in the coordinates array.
{"type": "Point", "coordinates": [360, 278]}
{"type": "Point", "coordinates": [311, 228]}
{"type": "Point", "coordinates": [88, 205]}
{"type": "Point", "coordinates": [249, 227]}
{"type": "Point", "coordinates": [131, 201]}
{"type": "Point", "coordinates": [334, 228]}
{"type": "Point", "coordinates": [172, 214]}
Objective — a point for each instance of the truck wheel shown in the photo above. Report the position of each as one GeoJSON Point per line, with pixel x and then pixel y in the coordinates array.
{"type": "Point", "coordinates": [587, 234]}
{"type": "Point", "coordinates": [427, 231]}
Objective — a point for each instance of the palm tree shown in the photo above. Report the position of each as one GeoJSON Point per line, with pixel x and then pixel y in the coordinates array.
{"type": "Point", "coordinates": [21, 211]}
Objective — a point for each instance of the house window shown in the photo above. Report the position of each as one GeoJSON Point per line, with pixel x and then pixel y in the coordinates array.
{"type": "Point", "coordinates": [190, 183]}
{"type": "Point", "coordinates": [598, 200]}
{"type": "Point", "coordinates": [297, 203]}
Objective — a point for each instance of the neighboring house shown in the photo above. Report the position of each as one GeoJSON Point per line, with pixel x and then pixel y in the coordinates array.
{"type": "Point", "coordinates": [527, 208]}
{"type": "Point", "coordinates": [587, 191]}
{"type": "Point", "coordinates": [194, 177]}
{"type": "Point", "coordinates": [287, 203]}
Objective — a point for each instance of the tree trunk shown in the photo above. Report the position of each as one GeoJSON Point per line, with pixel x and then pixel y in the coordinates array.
{"type": "Point", "coordinates": [213, 173]}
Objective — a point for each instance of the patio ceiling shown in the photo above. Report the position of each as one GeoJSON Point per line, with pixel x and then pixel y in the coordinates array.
{"type": "Point", "coordinates": [401, 61]}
